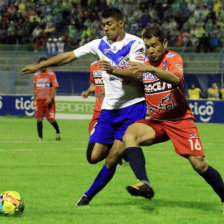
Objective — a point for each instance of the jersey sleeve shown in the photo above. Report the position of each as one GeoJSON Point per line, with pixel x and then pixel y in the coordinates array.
{"type": "Point", "coordinates": [91, 76]}
{"type": "Point", "coordinates": [137, 53]}
{"type": "Point", "coordinates": [175, 65]}
{"type": "Point", "coordinates": [54, 80]}
{"type": "Point", "coordinates": [90, 47]}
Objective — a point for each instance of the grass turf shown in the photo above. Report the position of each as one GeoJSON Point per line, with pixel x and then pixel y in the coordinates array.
{"type": "Point", "coordinates": [52, 175]}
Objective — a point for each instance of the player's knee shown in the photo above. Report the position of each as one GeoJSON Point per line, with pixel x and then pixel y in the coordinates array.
{"type": "Point", "coordinates": [89, 153]}
{"type": "Point", "coordinates": [130, 137]}
{"type": "Point", "coordinates": [200, 164]}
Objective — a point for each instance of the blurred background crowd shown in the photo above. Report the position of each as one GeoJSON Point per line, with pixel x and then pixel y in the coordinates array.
{"type": "Point", "coordinates": [55, 25]}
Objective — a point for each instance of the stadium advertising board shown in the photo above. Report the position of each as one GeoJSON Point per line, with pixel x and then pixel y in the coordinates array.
{"type": "Point", "coordinates": [75, 107]}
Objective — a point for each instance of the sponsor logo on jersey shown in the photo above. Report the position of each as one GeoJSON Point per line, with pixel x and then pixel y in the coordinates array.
{"type": "Point", "coordinates": [148, 76]}
{"type": "Point", "coordinates": [43, 85]}
{"type": "Point", "coordinates": [166, 103]}
{"type": "Point", "coordinates": [157, 87]}
{"type": "Point", "coordinates": [106, 51]}
{"type": "Point", "coordinates": [98, 81]}
{"type": "Point", "coordinates": [139, 58]}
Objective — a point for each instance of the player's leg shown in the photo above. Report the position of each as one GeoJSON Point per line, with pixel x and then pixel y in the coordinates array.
{"type": "Point", "coordinates": [39, 114]}
{"type": "Point", "coordinates": [136, 135]}
{"type": "Point", "coordinates": [101, 138]}
{"type": "Point", "coordinates": [101, 180]}
{"type": "Point", "coordinates": [210, 175]}
{"type": "Point", "coordinates": [56, 127]}
{"type": "Point", "coordinates": [50, 114]}
{"type": "Point", "coordinates": [184, 135]}
{"type": "Point", "coordinates": [40, 128]}
{"type": "Point", "coordinates": [96, 152]}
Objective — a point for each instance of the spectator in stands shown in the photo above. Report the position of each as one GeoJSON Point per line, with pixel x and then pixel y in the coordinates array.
{"type": "Point", "coordinates": [222, 92]}
{"type": "Point", "coordinates": [214, 42]}
{"type": "Point", "coordinates": [213, 92]}
{"type": "Point", "coordinates": [38, 37]}
{"type": "Point", "coordinates": [145, 19]}
{"type": "Point", "coordinates": [194, 93]}
{"type": "Point", "coordinates": [203, 42]}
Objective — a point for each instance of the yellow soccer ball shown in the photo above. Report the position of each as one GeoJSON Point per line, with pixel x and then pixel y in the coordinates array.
{"type": "Point", "coordinates": [11, 203]}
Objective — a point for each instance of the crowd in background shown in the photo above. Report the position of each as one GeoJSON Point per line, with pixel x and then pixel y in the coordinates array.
{"type": "Point", "coordinates": [195, 23]}
{"type": "Point", "coordinates": [213, 92]}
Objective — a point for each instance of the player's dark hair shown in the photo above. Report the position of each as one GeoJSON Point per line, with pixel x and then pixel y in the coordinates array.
{"type": "Point", "coordinates": [154, 31]}
{"type": "Point", "coordinates": [112, 12]}
{"type": "Point", "coordinates": [42, 59]}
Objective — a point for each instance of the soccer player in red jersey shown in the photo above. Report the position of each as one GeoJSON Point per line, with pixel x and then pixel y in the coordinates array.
{"type": "Point", "coordinates": [170, 115]}
{"type": "Point", "coordinates": [45, 87]}
{"type": "Point", "coordinates": [97, 86]}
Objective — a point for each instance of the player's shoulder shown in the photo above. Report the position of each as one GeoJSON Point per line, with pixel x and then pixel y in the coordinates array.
{"type": "Point", "coordinates": [94, 63]}
{"type": "Point", "coordinates": [36, 74]}
{"type": "Point", "coordinates": [131, 37]}
{"type": "Point", "coordinates": [50, 72]}
{"type": "Point", "coordinates": [173, 55]}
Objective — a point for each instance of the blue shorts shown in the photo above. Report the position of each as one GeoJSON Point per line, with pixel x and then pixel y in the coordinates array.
{"type": "Point", "coordinates": [112, 124]}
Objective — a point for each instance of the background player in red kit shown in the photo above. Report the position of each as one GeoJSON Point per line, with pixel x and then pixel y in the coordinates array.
{"type": "Point", "coordinates": [45, 87]}
{"type": "Point", "coordinates": [170, 114]}
{"type": "Point", "coordinates": [97, 86]}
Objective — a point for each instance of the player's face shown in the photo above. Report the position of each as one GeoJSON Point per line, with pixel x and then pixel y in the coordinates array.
{"type": "Point", "coordinates": [155, 48]}
{"type": "Point", "coordinates": [113, 28]}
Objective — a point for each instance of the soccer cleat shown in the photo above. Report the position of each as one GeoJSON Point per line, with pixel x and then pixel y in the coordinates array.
{"type": "Point", "coordinates": [58, 136]}
{"type": "Point", "coordinates": [141, 189]}
{"type": "Point", "coordinates": [84, 200]}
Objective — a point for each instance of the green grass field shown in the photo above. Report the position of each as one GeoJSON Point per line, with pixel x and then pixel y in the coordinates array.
{"type": "Point", "coordinates": [52, 176]}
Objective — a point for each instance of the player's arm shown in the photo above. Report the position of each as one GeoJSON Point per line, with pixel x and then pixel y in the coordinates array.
{"type": "Point", "coordinates": [164, 75]}
{"type": "Point", "coordinates": [49, 99]}
{"type": "Point", "coordinates": [125, 74]}
{"type": "Point", "coordinates": [34, 98]}
{"type": "Point", "coordinates": [91, 89]}
{"type": "Point", "coordinates": [58, 60]}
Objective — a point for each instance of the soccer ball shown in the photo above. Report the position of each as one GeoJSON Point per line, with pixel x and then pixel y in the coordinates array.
{"type": "Point", "coordinates": [11, 203]}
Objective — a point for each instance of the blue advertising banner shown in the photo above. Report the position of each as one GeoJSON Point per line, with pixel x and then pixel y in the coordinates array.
{"type": "Point", "coordinates": [16, 105]}
{"type": "Point", "coordinates": [205, 111]}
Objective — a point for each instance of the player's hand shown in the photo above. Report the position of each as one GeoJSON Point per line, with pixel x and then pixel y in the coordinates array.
{"type": "Point", "coordinates": [106, 66]}
{"type": "Point", "coordinates": [48, 101]}
{"type": "Point", "coordinates": [85, 94]}
{"type": "Point", "coordinates": [140, 67]}
{"type": "Point", "coordinates": [30, 69]}
{"type": "Point", "coordinates": [34, 103]}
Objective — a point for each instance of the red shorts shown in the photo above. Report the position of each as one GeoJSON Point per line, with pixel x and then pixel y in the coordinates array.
{"type": "Point", "coordinates": [94, 120]}
{"type": "Point", "coordinates": [42, 108]}
{"type": "Point", "coordinates": [182, 133]}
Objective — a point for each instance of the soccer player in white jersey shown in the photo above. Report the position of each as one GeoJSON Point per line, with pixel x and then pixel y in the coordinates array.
{"type": "Point", "coordinates": [123, 104]}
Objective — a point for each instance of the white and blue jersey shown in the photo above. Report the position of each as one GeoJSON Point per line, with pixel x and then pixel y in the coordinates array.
{"type": "Point", "coordinates": [131, 48]}
{"type": "Point", "coordinates": [123, 104]}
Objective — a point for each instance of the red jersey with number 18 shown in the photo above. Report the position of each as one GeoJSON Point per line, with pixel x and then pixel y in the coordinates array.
{"type": "Point", "coordinates": [96, 78]}
{"type": "Point", "coordinates": [164, 101]}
